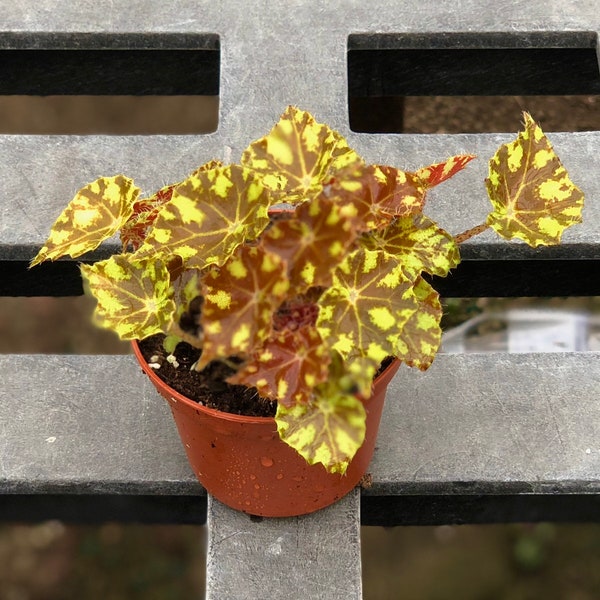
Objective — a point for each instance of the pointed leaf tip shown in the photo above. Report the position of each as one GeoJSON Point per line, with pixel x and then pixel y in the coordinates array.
{"type": "Point", "coordinates": [96, 213]}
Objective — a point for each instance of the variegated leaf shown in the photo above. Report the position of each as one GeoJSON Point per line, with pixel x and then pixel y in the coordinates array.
{"type": "Point", "coordinates": [373, 195]}
{"type": "Point", "coordinates": [287, 367]}
{"type": "Point", "coordinates": [97, 212]}
{"type": "Point", "coordinates": [298, 156]}
{"type": "Point", "coordinates": [313, 242]}
{"type": "Point", "coordinates": [532, 194]}
{"type": "Point", "coordinates": [134, 299]}
{"type": "Point", "coordinates": [329, 430]}
{"type": "Point", "coordinates": [210, 214]}
{"type": "Point", "coordinates": [240, 299]}
{"type": "Point", "coordinates": [439, 172]}
{"type": "Point", "coordinates": [418, 243]}
{"type": "Point", "coordinates": [421, 335]}
{"type": "Point", "coordinates": [362, 314]}
{"type": "Point", "coordinates": [145, 211]}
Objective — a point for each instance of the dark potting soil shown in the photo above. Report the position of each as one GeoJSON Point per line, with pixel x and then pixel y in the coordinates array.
{"type": "Point", "coordinates": [207, 387]}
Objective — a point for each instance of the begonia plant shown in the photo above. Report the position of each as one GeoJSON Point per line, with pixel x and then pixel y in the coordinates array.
{"type": "Point", "coordinates": [308, 300]}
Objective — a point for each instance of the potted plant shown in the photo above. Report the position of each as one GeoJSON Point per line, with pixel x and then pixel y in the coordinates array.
{"type": "Point", "coordinates": [289, 287]}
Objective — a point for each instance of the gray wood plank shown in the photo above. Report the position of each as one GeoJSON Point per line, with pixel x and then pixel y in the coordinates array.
{"type": "Point", "coordinates": [40, 174]}
{"type": "Point", "coordinates": [267, 64]}
{"type": "Point", "coordinates": [472, 424]}
{"type": "Point", "coordinates": [313, 556]}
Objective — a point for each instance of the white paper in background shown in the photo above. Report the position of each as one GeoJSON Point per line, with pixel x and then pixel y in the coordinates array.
{"type": "Point", "coordinates": [547, 333]}
{"type": "Point", "coordinates": [528, 330]}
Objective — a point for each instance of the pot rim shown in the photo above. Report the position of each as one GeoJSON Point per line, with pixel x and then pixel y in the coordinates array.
{"type": "Point", "coordinates": [178, 397]}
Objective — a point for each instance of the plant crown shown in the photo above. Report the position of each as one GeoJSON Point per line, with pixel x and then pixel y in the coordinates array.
{"type": "Point", "coordinates": [311, 299]}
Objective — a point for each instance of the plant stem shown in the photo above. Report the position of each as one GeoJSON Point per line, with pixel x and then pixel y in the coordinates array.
{"type": "Point", "coordinates": [467, 235]}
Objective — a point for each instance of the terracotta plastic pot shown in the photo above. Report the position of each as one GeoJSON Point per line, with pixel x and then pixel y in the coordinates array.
{"type": "Point", "coordinates": [242, 462]}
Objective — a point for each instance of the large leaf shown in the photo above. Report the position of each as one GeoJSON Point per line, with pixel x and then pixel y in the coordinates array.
{"type": "Point", "coordinates": [329, 430]}
{"type": "Point", "coordinates": [435, 174]}
{"type": "Point", "coordinates": [97, 212]}
{"type": "Point", "coordinates": [313, 242]}
{"type": "Point", "coordinates": [421, 335]}
{"type": "Point", "coordinates": [364, 312]}
{"type": "Point", "coordinates": [210, 214]}
{"type": "Point", "coordinates": [298, 156]}
{"type": "Point", "coordinates": [531, 192]}
{"type": "Point", "coordinates": [240, 299]}
{"type": "Point", "coordinates": [418, 243]}
{"type": "Point", "coordinates": [287, 367]}
{"type": "Point", "coordinates": [134, 298]}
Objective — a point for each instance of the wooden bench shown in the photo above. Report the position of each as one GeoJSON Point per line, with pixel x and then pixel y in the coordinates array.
{"type": "Point", "coordinates": [478, 438]}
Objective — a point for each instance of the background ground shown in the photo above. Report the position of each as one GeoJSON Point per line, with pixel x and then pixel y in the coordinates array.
{"type": "Point", "coordinates": [53, 561]}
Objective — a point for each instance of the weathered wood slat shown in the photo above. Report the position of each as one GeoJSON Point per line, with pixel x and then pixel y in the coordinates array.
{"type": "Point", "coordinates": [472, 432]}
{"type": "Point", "coordinates": [32, 195]}
{"type": "Point", "coordinates": [39, 174]}
{"type": "Point", "coordinates": [313, 556]}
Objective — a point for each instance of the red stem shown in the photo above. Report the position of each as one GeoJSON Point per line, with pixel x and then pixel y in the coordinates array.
{"type": "Point", "coordinates": [467, 235]}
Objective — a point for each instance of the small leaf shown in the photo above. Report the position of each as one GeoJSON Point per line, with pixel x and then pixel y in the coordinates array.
{"type": "Point", "coordinates": [420, 338]}
{"type": "Point", "coordinates": [373, 195]}
{"type": "Point", "coordinates": [97, 212]}
{"type": "Point", "coordinates": [145, 211]}
{"type": "Point", "coordinates": [531, 192]}
{"type": "Point", "coordinates": [134, 298]}
{"type": "Point", "coordinates": [418, 243]}
{"type": "Point", "coordinates": [287, 367]}
{"type": "Point", "coordinates": [313, 242]}
{"type": "Point", "coordinates": [210, 214]}
{"type": "Point", "coordinates": [240, 299]}
{"type": "Point", "coordinates": [328, 431]}
{"type": "Point", "coordinates": [298, 156]}
{"type": "Point", "coordinates": [363, 313]}
{"type": "Point", "coordinates": [435, 174]}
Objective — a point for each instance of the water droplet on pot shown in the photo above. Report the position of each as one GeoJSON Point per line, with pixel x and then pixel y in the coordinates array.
{"type": "Point", "coordinates": [256, 486]}
{"type": "Point", "coordinates": [279, 476]}
{"type": "Point", "coordinates": [252, 477]}
{"type": "Point", "coordinates": [265, 461]}
{"type": "Point", "coordinates": [297, 478]}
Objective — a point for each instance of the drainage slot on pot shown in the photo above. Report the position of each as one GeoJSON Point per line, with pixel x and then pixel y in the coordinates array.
{"type": "Point", "coordinates": [451, 83]}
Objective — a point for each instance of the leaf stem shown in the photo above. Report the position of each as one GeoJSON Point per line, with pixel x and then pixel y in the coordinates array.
{"type": "Point", "coordinates": [467, 235]}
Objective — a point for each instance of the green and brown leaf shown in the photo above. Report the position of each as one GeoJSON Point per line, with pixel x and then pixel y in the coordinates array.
{"type": "Point", "coordinates": [418, 243]}
{"type": "Point", "coordinates": [364, 312]}
{"type": "Point", "coordinates": [97, 212]}
{"type": "Point", "coordinates": [421, 335]}
{"type": "Point", "coordinates": [210, 214]}
{"type": "Point", "coordinates": [134, 298]}
{"type": "Point", "coordinates": [532, 194]}
{"type": "Point", "coordinates": [240, 299]}
{"type": "Point", "coordinates": [329, 430]}
{"type": "Point", "coordinates": [373, 195]}
{"type": "Point", "coordinates": [298, 156]}
{"type": "Point", "coordinates": [313, 242]}
{"type": "Point", "coordinates": [287, 367]}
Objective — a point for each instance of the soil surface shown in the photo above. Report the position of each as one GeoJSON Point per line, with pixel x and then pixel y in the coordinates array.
{"type": "Point", "coordinates": [207, 387]}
